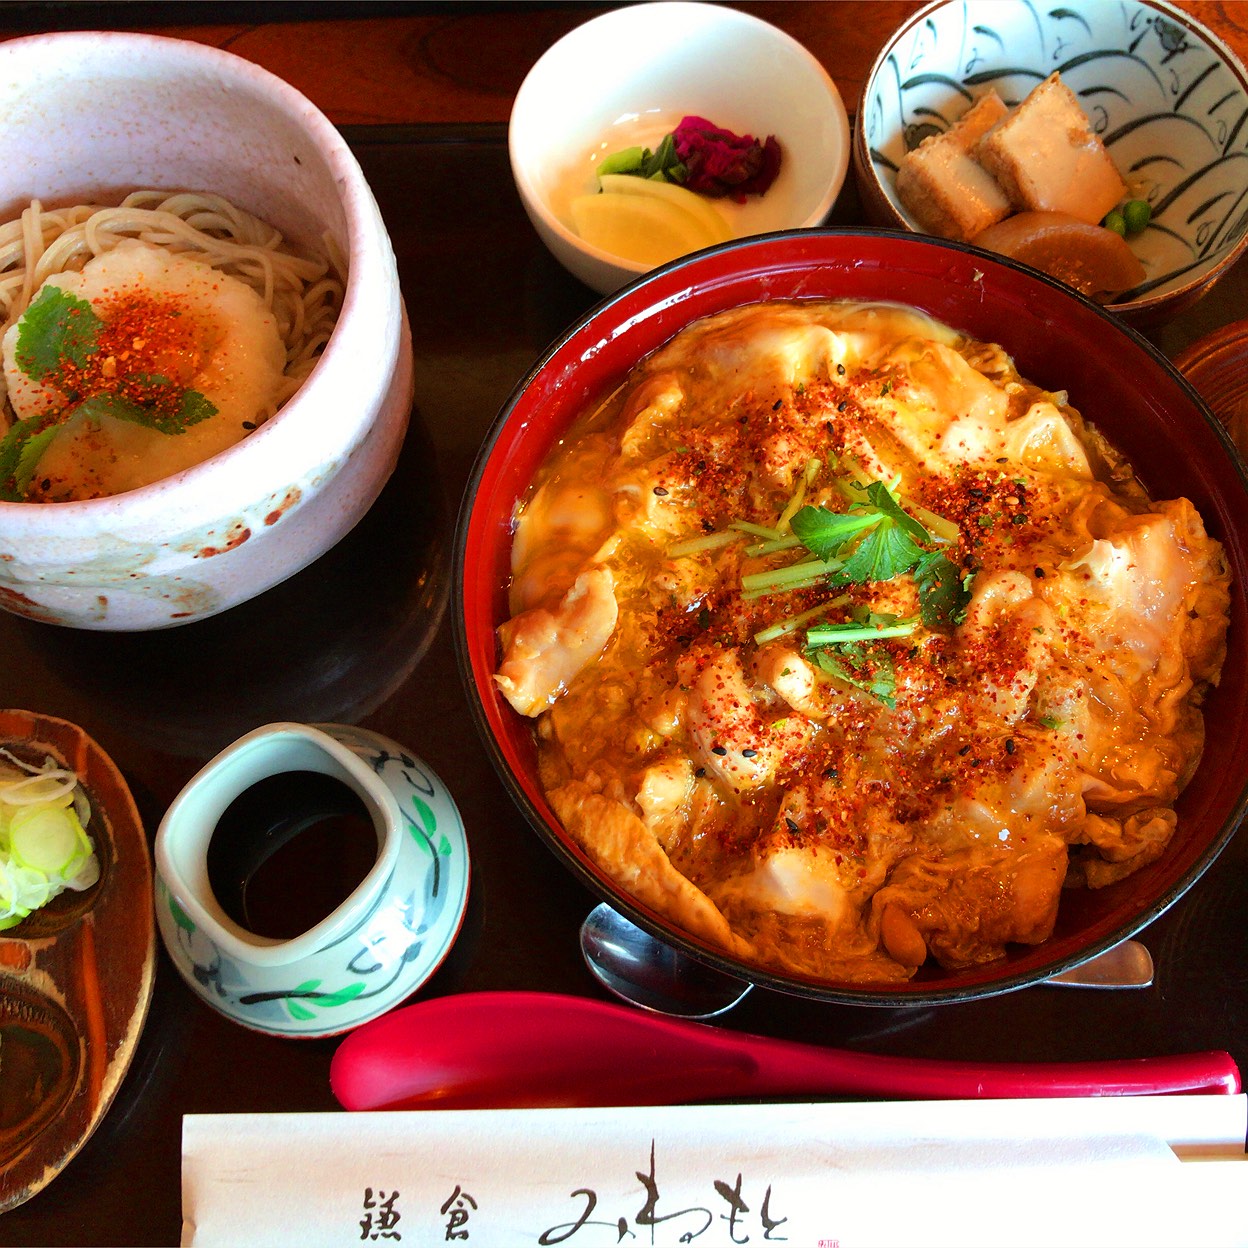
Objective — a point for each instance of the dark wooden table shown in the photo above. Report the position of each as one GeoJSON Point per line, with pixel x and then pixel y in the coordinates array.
{"type": "Point", "coordinates": [364, 636]}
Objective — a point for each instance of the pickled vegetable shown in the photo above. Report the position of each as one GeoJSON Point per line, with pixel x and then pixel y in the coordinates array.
{"type": "Point", "coordinates": [44, 847]}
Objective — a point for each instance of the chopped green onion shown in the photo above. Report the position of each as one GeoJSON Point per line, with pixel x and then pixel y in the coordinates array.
{"type": "Point", "coordinates": [43, 846]}
{"type": "Point", "coordinates": [808, 570]}
{"type": "Point", "coordinates": [47, 839]}
{"type": "Point", "coordinates": [756, 530]}
{"type": "Point", "coordinates": [804, 482]}
{"type": "Point", "coordinates": [696, 545]}
{"type": "Point", "coordinates": [941, 529]}
{"type": "Point", "coordinates": [794, 622]}
{"type": "Point", "coordinates": [834, 634]}
{"type": "Point", "coordinates": [770, 548]}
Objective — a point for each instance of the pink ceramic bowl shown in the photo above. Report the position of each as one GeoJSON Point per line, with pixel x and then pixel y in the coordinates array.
{"type": "Point", "coordinates": [93, 115]}
{"type": "Point", "coordinates": [1058, 340]}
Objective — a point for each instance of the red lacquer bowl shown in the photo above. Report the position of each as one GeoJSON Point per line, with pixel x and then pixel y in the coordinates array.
{"type": "Point", "coordinates": [1059, 340]}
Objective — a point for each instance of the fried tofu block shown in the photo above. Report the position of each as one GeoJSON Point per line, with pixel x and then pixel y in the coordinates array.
{"type": "Point", "coordinates": [942, 185]}
{"type": "Point", "coordinates": [1046, 158]}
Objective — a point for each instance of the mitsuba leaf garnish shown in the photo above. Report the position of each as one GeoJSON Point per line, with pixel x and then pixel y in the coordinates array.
{"type": "Point", "coordinates": [944, 593]}
{"type": "Point", "coordinates": [851, 652]}
{"type": "Point", "coordinates": [886, 552]}
{"type": "Point", "coordinates": [824, 532]}
{"type": "Point", "coordinates": [55, 328]}
{"type": "Point", "coordinates": [889, 548]}
{"type": "Point", "coordinates": [865, 667]}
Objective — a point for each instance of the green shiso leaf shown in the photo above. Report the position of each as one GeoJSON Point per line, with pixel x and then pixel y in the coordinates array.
{"type": "Point", "coordinates": [192, 408]}
{"type": "Point", "coordinates": [56, 327]}
{"type": "Point", "coordinates": [20, 450]}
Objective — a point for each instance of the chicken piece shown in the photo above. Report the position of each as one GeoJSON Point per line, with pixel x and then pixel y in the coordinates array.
{"type": "Point", "coordinates": [544, 650]}
{"type": "Point", "coordinates": [800, 880]}
{"type": "Point", "coordinates": [663, 798]}
{"type": "Point", "coordinates": [728, 731]}
{"type": "Point", "coordinates": [790, 676]}
{"type": "Point", "coordinates": [1007, 621]}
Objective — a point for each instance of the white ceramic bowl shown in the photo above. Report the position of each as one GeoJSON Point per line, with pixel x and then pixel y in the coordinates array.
{"type": "Point", "coordinates": [1167, 98]}
{"type": "Point", "coordinates": [635, 72]}
{"type": "Point", "coordinates": [377, 946]}
{"type": "Point", "coordinates": [94, 115]}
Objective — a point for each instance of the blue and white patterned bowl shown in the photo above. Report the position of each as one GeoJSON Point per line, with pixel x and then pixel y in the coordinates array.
{"type": "Point", "coordinates": [373, 950]}
{"type": "Point", "coordinates": [1168, 99]}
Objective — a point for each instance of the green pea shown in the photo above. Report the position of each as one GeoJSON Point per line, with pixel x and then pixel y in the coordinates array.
{"type": "Point", "coordinates": [1115, 221]}
{"type": "Point", "coordinates": [1136, 214]}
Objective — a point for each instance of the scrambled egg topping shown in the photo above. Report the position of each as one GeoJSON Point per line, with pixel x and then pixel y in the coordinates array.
{"type": "Point", "coordinates": [841, 760]}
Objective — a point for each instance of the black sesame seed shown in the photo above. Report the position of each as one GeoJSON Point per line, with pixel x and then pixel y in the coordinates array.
{"type": "Point", "coordinates": [1009, 745]}
{"type": "Point", "coordinates": [718, 749]}
{"type": "Point", "coordinates": [249, 424]}
{"type": "Point", "coordinates": [777, 405]}
{"type": "Point", "coordinates": [842, 405]}
{"type": "Point", "coordinates": [966, 749]}
{"type": "Point", "coordinates": [840, 369]}
{"type": "Point", "coordinates": [749, 753]}
{"type": "Point", "coordinates": [701, 771]}
{"type": "Point", "coordinates": [660, 490]}
{"type": "Point", "coordinates": [1039, 572]}
{"type": "Point", "coordinates": [792, 826]}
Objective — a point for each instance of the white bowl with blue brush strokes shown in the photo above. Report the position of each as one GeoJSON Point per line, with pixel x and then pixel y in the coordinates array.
{"type": "Point", "coordinates": [1166, 97]}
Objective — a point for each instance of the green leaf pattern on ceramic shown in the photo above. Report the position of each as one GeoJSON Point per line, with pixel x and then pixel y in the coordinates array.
{"type": "Point", "coordinates": [180, 917]}
{"type": "Point", "coordinates": [307, 994]}
{"type": "Point", "coordinates": [427, 818]}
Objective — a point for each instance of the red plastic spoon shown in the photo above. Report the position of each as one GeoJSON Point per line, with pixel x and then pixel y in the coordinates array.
{"type": "Point", "coordinates": [497, 1050]}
